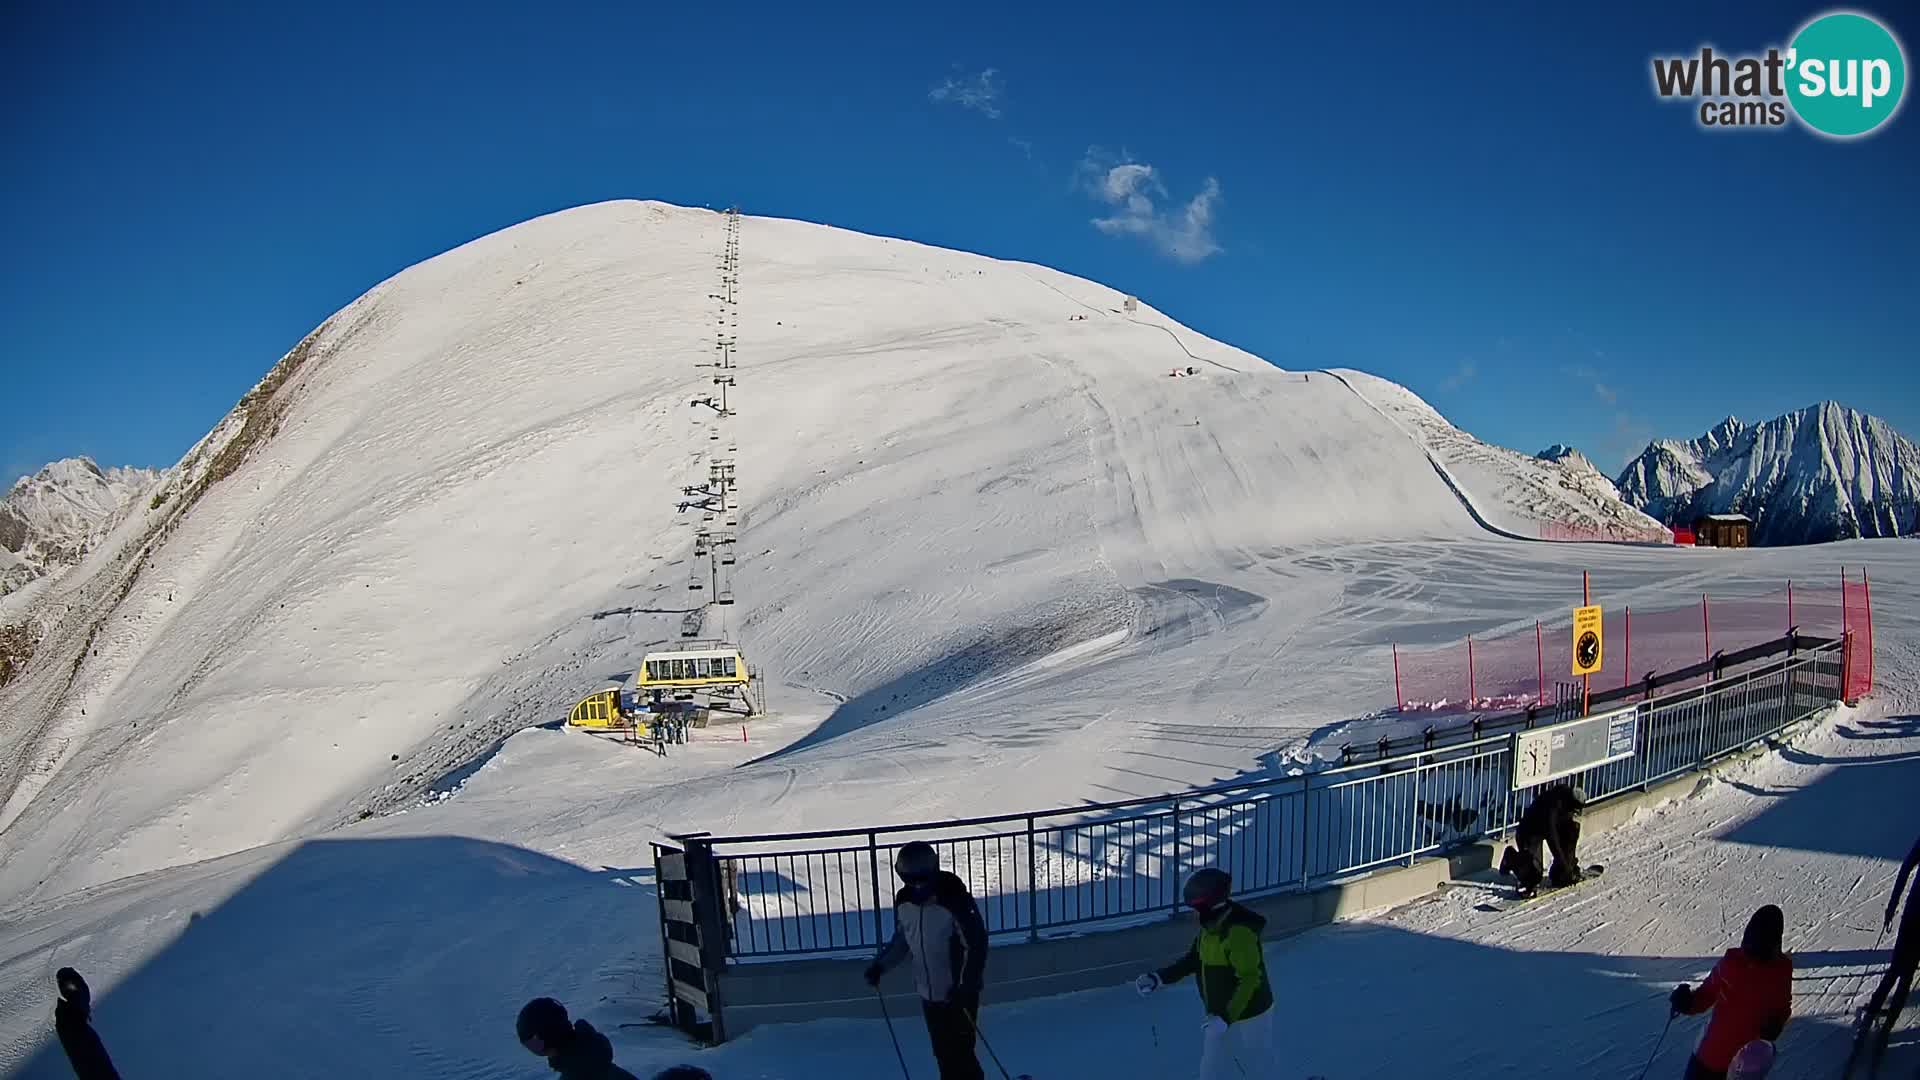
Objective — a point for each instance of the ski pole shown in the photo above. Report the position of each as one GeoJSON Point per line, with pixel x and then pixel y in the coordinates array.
{"type": "Point", "coordinates": [888, 1017]}
{"type": "Point", "coordinates": [1658, 1043]}
{"type": "Point", "coordinates": [975, 1024]}
{"type": "Point", "coordinates": [1866, 972]}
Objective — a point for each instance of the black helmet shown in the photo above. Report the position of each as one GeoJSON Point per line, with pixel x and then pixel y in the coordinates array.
{"type": "Point", "coordinates": [1764, 933]}
{"type": "Point", "coordinates": [916, 860]}
{"type": "Point", "coordinates": [545, 1019]}
{"type": "Point", "coordinates": [1207, 888]}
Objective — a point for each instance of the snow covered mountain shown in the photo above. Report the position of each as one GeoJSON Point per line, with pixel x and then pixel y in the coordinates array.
{"type": "Point", "coordinates": [993, 557]}
{"type": "Point", "coordinates": [450, 512]}
{"type": "Point", "coordinates": [1567, 456]}
{"type": "Point", "coordinates": [1825, 472]}
{"type": "Point", "coordinates": [1555, 495]}
{"type": "Point", "coordinates": [49, 520]}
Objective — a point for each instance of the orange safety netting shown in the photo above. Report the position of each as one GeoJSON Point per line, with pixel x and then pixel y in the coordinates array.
{"type": "Point", "coordinates": [1514, 670]}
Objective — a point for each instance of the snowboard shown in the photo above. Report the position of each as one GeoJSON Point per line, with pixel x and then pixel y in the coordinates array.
{"type": "Point", "coordinates": [1545, 890]}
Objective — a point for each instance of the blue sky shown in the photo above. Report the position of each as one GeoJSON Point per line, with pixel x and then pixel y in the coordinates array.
{"type": "Point", "coordinates": [1490, 208]}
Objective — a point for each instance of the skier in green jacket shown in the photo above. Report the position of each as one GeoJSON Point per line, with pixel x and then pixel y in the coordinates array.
{"type": "Point", "coordinates": [1237, 1034]}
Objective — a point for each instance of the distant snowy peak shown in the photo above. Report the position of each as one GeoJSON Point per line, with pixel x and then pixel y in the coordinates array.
{"type": "Point", "coordinates": [49, 521]}
{"type": "Point", "coordinates": [1825, 472]}
{"type": "Point", "coordinates": [1556, 494]}
{"type": "Point", "coordinates": [1719, 439]}
{"type": "Point", "coordinates": [1663, 480]}
{"type": "Point", "coordinates": [1566, 456]}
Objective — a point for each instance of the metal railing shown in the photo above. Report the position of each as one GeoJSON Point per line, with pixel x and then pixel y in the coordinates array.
{"type": "Point", "coordinates": [827, 893]}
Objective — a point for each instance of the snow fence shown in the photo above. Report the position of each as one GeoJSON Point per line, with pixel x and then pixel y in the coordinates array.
{"type": "Point", "coordinates": [1517, 669]}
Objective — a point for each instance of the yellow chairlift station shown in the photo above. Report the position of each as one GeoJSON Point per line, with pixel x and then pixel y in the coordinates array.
{"type": "Point", "coordinates": [600, 709]}
{"type": "Point", "coordinates": [693, 669]}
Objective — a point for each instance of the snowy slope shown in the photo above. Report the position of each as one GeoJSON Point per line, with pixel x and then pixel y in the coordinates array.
{"type": "Point", "coordinates": [459, 518]}
{"type": "Point", "coordinates": [48, 521]}
{"type": "Point", "coordinates": [1552, 494]}
{"type": "Point", "coordinates": [992, 558]}
{"type": "Point", "coordinates": [423, 932]}
{"type": "Point", "coordinates": [1826, 472]}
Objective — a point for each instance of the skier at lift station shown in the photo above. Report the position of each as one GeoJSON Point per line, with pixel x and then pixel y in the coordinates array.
{"type": "Point", "coordinates": [1890, 996]}
{"type": "Point", "coordinates": [937, 925]}
{"type": "Point", "coordinates": [1750, 992]}
{"type": "Point", "coordinates": [1231, 971]}
{"type": "Point", "coordinates": [574, 1049]}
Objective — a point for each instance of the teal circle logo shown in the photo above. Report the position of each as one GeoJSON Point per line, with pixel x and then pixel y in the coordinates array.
{"type": "Point", "coordinates": [1846, 74]}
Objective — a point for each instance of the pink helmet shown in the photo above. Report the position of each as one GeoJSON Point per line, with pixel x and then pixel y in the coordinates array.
{"type": "Point", "coordinates": [1753, 1061]}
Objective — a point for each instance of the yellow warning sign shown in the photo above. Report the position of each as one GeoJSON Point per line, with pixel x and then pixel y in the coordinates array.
{"type": "Point", "coordinates": [1587, 643]}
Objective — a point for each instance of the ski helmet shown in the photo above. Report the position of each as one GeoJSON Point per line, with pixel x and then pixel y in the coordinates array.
{"type": "Point", "coordinates": [1753, 1060]}
{"type": "Point", "coordinates": [1762, 939]}
{"type": "Point", "coordinates": [544, 1019]}
{"type": "Point", "coordinates": [1207, 888]}
{"type": "Point", "coordinates": [916, 860]}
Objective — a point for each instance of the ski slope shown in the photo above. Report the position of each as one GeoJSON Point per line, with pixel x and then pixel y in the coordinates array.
{"type": "Point", "coordinates": [1511, 492]}
{"type": "Point", "coordinates": [420, 934]}
{"type": "Point", "coordinates": [993, 558]}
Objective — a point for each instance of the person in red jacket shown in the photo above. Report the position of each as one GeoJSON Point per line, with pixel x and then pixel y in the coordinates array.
{"type": "Point", "coordinates": [1750, 992]}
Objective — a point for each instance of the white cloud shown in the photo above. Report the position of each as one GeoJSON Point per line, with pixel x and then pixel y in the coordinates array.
{"type": "Point", "coordinates": [980, 92]}
{"type": "Point", "coordinates": [1137, 195]}
{"type": "Point", "coordinates": [1025, 145]}
{"type": "Point", "coordinates": [1462, 375]}
{"type": "Point", "coordinates": [1607, 394]}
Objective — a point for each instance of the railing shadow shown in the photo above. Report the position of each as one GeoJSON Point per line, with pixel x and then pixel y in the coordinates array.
{"type": "Point", "coordinates": [1855, 797]}
{"type": "Point", "coordinates": [340, 957]}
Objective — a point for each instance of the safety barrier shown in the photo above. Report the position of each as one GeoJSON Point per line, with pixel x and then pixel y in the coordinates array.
{"type": "Point", "coordinates": [1039, 874]}
{"type": "Point", "coordinates": [1515, 670]}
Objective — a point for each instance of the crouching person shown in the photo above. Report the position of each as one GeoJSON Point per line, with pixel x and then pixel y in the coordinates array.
{"type": "Point", "coordinates": [1237, 1034]}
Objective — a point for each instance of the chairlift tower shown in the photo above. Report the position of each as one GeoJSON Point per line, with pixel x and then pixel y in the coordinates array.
{"type": "Point", "coordinates": [716, 494]}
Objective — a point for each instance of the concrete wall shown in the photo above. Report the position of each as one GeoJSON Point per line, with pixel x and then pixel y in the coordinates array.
{"type": "Point", "coordinates": [779, 992]}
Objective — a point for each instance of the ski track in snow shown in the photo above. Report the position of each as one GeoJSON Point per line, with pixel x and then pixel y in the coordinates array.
{"type": "Point", "coordinates": [992, 559]}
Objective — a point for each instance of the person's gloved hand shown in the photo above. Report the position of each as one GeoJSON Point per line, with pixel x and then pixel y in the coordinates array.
{"type": "Point", "coordinates": [1682, 998]}
{"type": "Point", "coordinates": [76, 1000]}
{"type": "Point", "coordinates": [72, 987]}
{"type": "Point", "coordinates": [872, 975]}
{"type": "Point", "coordinates": [1146, 984]}
{"type": "Point", "coordinates": [1213, 1027]}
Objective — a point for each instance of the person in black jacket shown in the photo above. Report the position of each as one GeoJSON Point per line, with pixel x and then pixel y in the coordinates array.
{"type": "Point", "coordinates": [937, 925]}
{"type": "Point", "coordinates": [1898, 981]}
{"type": "Point", "coordinates": [1552, 818]}
{"type": "Point", "coordinates": [574, 1050]}
{"type": "Point", "coordinates": [72, 1021]}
